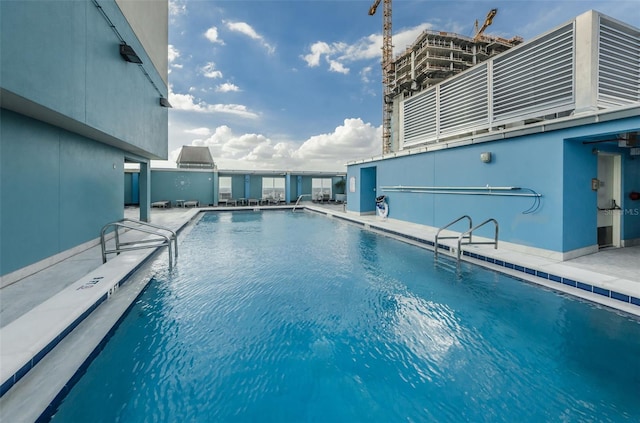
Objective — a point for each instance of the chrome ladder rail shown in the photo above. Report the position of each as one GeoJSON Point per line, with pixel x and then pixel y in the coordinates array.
{"type": "Point", "coordinates": [462, 235]}
{"type": "Point", "coordinates": [298, 201]}
{"type": "Point", "coordinates": [435, 246]}
{"type": "Point", "coordinates": [168, 239]}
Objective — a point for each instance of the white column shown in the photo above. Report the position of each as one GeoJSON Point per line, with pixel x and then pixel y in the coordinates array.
{"type": "Point", "coordinates": [587, 28]}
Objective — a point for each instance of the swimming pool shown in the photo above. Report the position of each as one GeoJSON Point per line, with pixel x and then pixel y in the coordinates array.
{"type": "Point", "coordinates": [280, 316]}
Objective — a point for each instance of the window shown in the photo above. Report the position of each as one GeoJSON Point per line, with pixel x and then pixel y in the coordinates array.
{"type": "Point", "coordinates": [273, 188]}
{"type": "Point", "coordinates": [224, 192]}
{"type": "Point", "coordinates": [321, 187]}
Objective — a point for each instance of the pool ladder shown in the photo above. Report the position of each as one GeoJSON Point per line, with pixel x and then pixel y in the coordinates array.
{"type": "Point", "coordinates": [165, 237]}
{"type": "Point", "coordinates": [465, 235]}
{"type": "Point", "coordinates": [298, 201]}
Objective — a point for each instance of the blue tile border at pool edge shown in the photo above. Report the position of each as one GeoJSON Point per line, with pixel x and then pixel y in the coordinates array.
{"type": "Point", "coordinates": [565, 281]}
{"type": "Point", "coordinates": [529, 271]}
{"type": "Point", "coordinates": [12, 380]}
{"type": "Point", "coordinates": [53, 406]}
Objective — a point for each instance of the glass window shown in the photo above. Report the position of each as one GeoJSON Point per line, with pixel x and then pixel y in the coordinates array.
{"type": "Point", "coordinates": [273, 188]}
{"type": "Point", "coordinates": [224, 191]}
{"type": "Point", "coordinates": [321, 188]}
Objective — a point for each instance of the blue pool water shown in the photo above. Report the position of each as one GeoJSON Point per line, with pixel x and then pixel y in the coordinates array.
{"type": "Point", "coordinates": [294, 317]}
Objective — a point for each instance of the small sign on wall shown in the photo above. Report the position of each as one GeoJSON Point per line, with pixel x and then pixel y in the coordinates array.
{"type": "Point", "coordinates": [352, 184]}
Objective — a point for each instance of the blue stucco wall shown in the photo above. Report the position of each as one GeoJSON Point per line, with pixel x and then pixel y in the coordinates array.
{"type": "Point", "coordinates": [131, 188]}
{"type": "Point", "coordinates": [631, 208]}
{"type": "Point", "coordinates": [556, 164]}
{"type": "Point", "coordinates": [57, 191]}
{"type": "Point", "coordinates": [579, 205]}
{"type": "Point", "coordinates": [237, 186]}
{"type": "Point", "coordinates": [182, 185]}
{"type": "Point", "coordinates": [128, 188]}
{"type": "Point", "coordinates": [63, 56]}
{"type": "Point", "coordinates": [72, 110]}
{"type": "Point", "coordinates": [255, 186]}
{"type": "Point", "coordinates": [169, 184]}
{"type": "Point", "coordinates": [539, 169]}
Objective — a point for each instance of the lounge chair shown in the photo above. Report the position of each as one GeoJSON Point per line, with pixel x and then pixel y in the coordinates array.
{"type": "Point", "coordinates": [192, 203]}
{"type": "Point", "coordinates": [161, 204]}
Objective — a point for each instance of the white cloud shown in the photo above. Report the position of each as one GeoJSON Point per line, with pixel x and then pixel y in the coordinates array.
{"type": "Point", "coordinates": [198, 131]}
{"type": "Point", "coordinates": [365, 73]}
{"type": "Point", "coordinates": [227, 87]}
{"type": "Point", "coordinates": [177, 8]}
{"type": "Point", "coordinates": [246, 29]}
{"type": "Point", "coordinates": [209, 71]}
{"type": "Point", "coordinates": [317, 50]}
{"type": "Point", "coordinates": [352, 140]}
{"type": "Point", "coordinates": [212, 35]}
{"type": "Point", "coordinates": [337, 67]}
{"type": "Point", "coordinates": [189, 103]}
{"type": "Point", "coordinates": [367, 48]}
{"type": "Point", "coordinates": [407, 37]}
{"type": "Point", "coordinates": [173, 53]}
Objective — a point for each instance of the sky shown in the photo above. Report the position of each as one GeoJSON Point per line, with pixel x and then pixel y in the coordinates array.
{"type": "Point", "coordinates": [296, 84]}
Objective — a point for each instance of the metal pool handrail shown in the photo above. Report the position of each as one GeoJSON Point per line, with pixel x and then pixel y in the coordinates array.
{"type": "Point", "coordinates": [435, 247]}
{"type": "Point", "coordinates": [298, 201]}
{"type": "Point", "coordinates": [145, 227]}
{"type": "Point", "coordinates": [462, 235]}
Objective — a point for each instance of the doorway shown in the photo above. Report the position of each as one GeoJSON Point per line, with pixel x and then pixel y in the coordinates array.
{"type": "Point", "coordinates": [368, 182]}
{"type": "Point", "coordinates": [608, 199]}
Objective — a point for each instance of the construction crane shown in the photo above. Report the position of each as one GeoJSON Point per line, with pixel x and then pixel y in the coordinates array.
{"type": "Point", "coordinates": [487, 21]}
{"type": "Point", "coordinates": [387, 72]}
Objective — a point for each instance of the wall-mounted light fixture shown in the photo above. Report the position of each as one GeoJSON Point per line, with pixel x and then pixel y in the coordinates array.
{"type": "Point", "coordinates": [165, 103]}
{"type": "Point", "coordinates": [485, 157]}
{"type": "Point", "coordinates": [128, 54]}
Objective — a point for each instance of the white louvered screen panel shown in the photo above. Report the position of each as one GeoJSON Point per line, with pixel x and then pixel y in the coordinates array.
{"type": "Point", "coordinates": [618, 65]}
{"type": "Point", "coordinates": [536, 78]}
{"type": "Point", "coordinates": [420, 118]}
{"type": "Point", "coordinates": [463, 101]}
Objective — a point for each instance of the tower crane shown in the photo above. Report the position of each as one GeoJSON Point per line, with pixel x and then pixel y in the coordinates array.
{"type": "Point", "coordinates": [387, 72]}
{"type": "Point", "coordinates": [487, 21]}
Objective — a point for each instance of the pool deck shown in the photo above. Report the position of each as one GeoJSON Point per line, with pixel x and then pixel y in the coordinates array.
{"type": "Point", "coordinates": [56, 319]}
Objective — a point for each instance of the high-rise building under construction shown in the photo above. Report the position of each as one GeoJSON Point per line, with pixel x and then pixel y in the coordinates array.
{"type": "Point", "coordinates": [432, 58]}
{"type": "Point", "coordinates": [436, 55]}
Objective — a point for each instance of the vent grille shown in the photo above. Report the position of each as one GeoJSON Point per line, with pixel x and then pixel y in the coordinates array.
{"type": "Point", "coordinates": [420, 117]}
{"type": "Point", "coordinates": [619, 65]}
{"type": "Point", "coordinates": [463, 101]}
{"type": "Point", "coordinates": [535, 78]}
